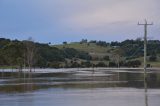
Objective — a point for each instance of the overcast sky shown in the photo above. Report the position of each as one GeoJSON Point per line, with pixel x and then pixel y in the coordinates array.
{"type": "Point", "coordinates": [71, 20]}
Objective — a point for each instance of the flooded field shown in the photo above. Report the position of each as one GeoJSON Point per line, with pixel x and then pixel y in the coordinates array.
{"type": "Point", "coordinates": [80, 88]}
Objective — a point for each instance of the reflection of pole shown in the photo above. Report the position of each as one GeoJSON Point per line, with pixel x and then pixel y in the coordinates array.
{"type": "Point", "coordinates": [146, 99]}
{"type": "Point", "coordinates": [145, 51]}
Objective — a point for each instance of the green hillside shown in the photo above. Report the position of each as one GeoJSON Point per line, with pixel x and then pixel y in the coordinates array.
{"type": "Point", "coordinates": [129, 53]}
{"type": "Point", "coordinates": [91, 48]}
{"type": "Point", "coordinates": [128, 50]}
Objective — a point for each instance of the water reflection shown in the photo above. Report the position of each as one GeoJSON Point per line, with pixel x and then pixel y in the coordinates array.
{"type": "Point", "coordinates": [116, 86]}
{"type": "Point", "coordinates": [24, 82]}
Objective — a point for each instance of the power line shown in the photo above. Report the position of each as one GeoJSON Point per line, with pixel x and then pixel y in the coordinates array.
{"type": "Point", "coordinates": [145, 50]}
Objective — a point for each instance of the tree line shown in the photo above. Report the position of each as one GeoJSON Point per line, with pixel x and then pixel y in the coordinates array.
{"type": "Point", "coordinates": [30, 54]}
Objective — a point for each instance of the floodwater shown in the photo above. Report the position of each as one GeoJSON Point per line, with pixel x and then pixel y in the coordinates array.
{"type": "Point", "coordinates": [80, 88]}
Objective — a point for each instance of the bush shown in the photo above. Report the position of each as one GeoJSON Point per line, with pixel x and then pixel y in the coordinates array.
{"type": "Point", "coordinates": [93, 41]}
{"type": "Point", "coordinates": [134, 63]}
{"type": "Point", "coordinates": [65, 43]}
{"type": "Point", "coordinates": [106, 58]}
{"type": "Point", "coordinates": [75, 65]}
{"type": "Point", "coordinates": [101, 64]}
{"type": "Point", "coordinates": [112, 64]}
{"type": "Point", "coordinates": [86, 64]}
{"type": "Point", "coordinates": [152, 58]}
{"type": "Point", "coordinates": [102, 43]}
{"type": "Point", "coordinates": [54, 65]}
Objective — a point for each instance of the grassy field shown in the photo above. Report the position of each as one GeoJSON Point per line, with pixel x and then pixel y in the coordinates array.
{"type": "Point", "coordinates": [91, 47]}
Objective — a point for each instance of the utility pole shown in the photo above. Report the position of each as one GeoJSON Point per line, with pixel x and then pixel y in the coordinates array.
{"type": "Point", "coordinates": [145, 50]}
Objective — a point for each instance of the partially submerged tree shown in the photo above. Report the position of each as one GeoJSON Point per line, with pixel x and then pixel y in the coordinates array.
{"type": "Point", "coordinates": [117, 56]}
{"type": "Point", "coordinates": [30, 52]}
